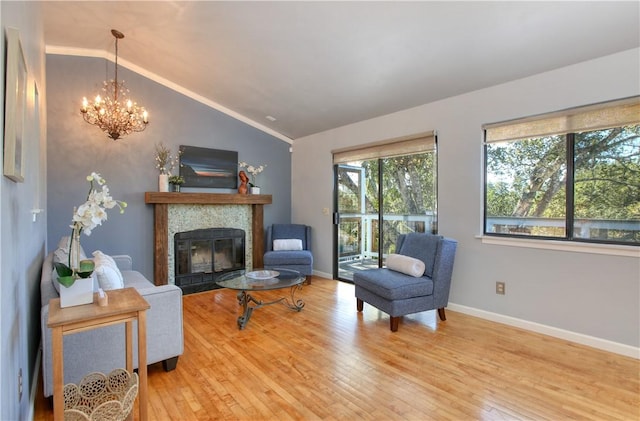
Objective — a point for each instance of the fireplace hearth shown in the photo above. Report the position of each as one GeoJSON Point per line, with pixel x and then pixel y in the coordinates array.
{"type": "Point", "coordinates": [203, 255]}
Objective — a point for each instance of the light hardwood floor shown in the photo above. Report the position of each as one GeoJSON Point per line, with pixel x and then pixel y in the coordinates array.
{"type": "Point", "coordinates": [330, 362]}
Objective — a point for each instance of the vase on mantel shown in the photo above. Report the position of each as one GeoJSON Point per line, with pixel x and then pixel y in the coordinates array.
{"type": "Point", "coordinates": [255, 190]}
{"type": "Point", "coordinates": [163, 183]}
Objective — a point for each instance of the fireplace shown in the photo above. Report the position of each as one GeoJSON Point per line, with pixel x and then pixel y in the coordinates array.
{"type": "Point", "coordinates": [203, 255]}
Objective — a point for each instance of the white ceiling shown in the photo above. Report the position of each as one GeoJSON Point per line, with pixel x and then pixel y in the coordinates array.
{"type": "Point", "coordinates": [320, 65]}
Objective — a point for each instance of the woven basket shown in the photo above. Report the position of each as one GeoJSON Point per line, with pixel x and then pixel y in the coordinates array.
{"type": "Point", "coordinates": [100, 397]}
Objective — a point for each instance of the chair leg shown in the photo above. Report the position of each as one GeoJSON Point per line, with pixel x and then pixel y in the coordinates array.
{"type": "Point", "coordinates": [394, 323]}
{"type": "Point", "coordinates": [308, 279]}
{"type": "Point", "coordinates": [443, 317]}
{"type": "Point", "coordinates": [359, 304]}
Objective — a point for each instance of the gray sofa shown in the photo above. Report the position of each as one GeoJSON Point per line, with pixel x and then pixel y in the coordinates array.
{"type": "Point", "coordinates": [103, 349]}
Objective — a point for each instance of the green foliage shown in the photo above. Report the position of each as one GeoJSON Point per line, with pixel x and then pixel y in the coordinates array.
{"type": "Point", "coordinates": [408, 186]}
{"type": "Point", "coordinates": [501, 199]}
{"type": "Point", "coordinates": [176, 179]}
{"type": "Point", "coordinates": [608, 175]}
{"type": "Point", "coordinates": [527, 178]}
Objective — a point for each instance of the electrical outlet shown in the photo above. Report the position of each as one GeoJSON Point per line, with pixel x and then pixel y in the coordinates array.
{"type": "Point", "coordinates": [19, 385]}
{"type": "Point", "coordinates": [500, 288]}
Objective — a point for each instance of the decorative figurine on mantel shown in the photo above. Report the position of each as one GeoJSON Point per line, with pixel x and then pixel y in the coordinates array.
{"type": "Point", "coordinates": [254, 171]}
{"type": "Point", "coordinates": [244, 179]}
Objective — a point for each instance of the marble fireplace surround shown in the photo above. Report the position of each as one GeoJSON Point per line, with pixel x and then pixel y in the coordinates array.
{"type": "Point", "coordinates": [177, 212]}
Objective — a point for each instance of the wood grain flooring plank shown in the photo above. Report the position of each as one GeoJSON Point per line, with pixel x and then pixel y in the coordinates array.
{"type": "Point", "coordinates": [330, 362]}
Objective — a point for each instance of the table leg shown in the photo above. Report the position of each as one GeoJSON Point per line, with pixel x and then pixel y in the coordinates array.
{"type": "Point", "coordinates": [142, 363]}
{"type": "Point", "coordinates": [243, 300]}
{"type": "Point", "coordinates": [296, 305]}
{"type": "Point", "coordinates": [58, 373]}
{"type": "Point", "coordinates": [128, 344]}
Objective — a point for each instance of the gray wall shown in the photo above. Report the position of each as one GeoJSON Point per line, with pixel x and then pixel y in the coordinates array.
{"type": "Point", "coordinates": [75, 149]}
{"type": "Point", "coordinates": [22, 242]}
{"type": "Point", "coordinates": [589, 294]}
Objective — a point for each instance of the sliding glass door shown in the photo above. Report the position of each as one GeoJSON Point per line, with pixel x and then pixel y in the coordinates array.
{"type": "Point", "coordinates": [375, 201]}
{"type": "Point", "coordinates": [356, 217]}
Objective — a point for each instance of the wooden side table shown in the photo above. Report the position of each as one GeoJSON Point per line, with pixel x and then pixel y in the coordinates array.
{"type": "Point", "coordinates": [125, 306]}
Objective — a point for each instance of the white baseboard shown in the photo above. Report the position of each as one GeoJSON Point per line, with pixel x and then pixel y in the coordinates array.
{"type": "Point", "coordinates": [603, 344]}
{"type": "Point", "coordinates": [322, 274]}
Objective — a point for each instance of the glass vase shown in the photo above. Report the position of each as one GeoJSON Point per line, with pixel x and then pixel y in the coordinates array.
{"type": "Point", "coordinates": [74, 251]}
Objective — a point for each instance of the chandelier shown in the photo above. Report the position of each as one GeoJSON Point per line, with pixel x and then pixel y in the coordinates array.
{"type": "Point", "coordinates": [112, 111]}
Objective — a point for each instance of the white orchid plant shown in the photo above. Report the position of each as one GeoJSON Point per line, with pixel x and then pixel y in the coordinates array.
{"type": "Point", "coordinates": [253, 170]}
{"type": "Point", "coordinates": [87, 217]}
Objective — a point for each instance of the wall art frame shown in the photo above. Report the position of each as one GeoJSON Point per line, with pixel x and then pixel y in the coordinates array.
{"type": "Point", "coordinates": [15, 107]}
{"type": "Point", "coordinates": [205, 167]}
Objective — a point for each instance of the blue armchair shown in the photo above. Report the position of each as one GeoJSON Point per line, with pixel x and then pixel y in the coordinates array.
{"type": "Point", "coordinates": [397, 293]}
{"type": "Point", "coordinates": [288, 246]}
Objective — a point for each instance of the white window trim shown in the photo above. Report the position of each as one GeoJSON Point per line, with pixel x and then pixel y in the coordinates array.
{"type": "Point", "coordinates": [571, 246]}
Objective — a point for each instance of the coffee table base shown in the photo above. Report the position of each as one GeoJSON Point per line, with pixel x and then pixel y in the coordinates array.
{"type": "Point", "coordinates": [244, 299]}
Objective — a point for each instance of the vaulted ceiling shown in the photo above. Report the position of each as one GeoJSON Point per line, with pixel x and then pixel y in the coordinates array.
{"type": "Point", "coordinates": [314, 66]}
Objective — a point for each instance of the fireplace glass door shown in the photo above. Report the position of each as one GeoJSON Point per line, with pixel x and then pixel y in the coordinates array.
{"type": "Point", "coordinates": [201, 256]}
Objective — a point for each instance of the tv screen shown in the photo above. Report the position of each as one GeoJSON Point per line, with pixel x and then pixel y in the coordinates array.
{"type": "Point", "coordinates": [204, 167]}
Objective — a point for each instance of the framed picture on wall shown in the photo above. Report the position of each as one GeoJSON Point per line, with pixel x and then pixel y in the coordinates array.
{"type": "Point", "coordinates": [204, 167]}
{"type": "Point", "coordinates": [15, 107]}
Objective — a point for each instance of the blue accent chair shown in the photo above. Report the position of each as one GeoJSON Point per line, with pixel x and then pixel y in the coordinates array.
{"type": "Point", "coordinates": [398, 294]}
{"type": "Point", "coordinates": [300, 260]}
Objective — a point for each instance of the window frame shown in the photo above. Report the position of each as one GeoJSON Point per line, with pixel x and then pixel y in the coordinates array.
{"type": "Point", "coordinates": [537, 241]}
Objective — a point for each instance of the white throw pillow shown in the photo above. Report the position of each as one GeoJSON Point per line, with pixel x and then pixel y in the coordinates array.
{"type": "Point", "coordinates": [109, 276]}
{"type": "Point", "coordinates": [405, 264]}
{"type": "Point", "coordinates": [287, 244]}
{"type": "Point", "coordinates": [61, 254]}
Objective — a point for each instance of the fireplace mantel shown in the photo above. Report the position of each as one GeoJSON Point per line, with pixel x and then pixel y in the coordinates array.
{"type": "Point", "coordinates": [161, 202]}
{"type": "Point", "coordinates": [206, 198]}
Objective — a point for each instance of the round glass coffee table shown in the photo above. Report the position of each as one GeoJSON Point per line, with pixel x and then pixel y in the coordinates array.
{"type": "Point", "coordinates": [262, 280]}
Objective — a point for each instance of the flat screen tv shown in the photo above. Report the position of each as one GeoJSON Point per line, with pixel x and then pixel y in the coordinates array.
{"type": "Point", "coordinates": [204, 167]}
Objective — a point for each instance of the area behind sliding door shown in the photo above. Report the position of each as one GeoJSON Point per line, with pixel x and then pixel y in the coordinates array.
{"type": "Point", "coordinates": [379, 197]}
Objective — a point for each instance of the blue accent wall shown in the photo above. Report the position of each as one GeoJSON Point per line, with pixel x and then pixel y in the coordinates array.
{"type": "Point", "coordinates": [75, 149]}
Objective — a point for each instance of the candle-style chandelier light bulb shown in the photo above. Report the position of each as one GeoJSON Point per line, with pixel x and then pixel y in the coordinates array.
{"type": "Point", "coordinates": [112, 111]}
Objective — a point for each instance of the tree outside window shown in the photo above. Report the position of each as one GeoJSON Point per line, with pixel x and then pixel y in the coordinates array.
{"type": "Point", "coordinates": [527, 181]}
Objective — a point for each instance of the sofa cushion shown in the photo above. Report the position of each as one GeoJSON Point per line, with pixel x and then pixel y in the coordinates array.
{"type": "Point", "coordinates": [405, 264]}
{"type": "Point", "coordinates": [61, 253]}
{"type": "Point", "coordinates": [109, 276]}
{"type": "Point", "coordinates": [287, 244]}
{"type": "Point", "coordinates": [423, 247]}
{"type": "Point", "coordinates": [288, 257]}
{"type": "Point", "coordinates": [134, 279]}
{"type": "Point", "coordinates": [393, 285]}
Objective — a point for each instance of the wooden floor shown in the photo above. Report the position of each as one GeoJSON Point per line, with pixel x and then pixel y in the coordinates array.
{"type": "Point", "coordinates": [330, 362]}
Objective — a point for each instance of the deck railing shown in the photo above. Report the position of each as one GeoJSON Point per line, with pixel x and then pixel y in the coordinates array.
{"type": "Point", "coordinates": [361, 246]}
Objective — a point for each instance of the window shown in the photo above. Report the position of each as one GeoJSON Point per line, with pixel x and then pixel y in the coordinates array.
{"type": "Point", "coordinates": [573, 175]}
